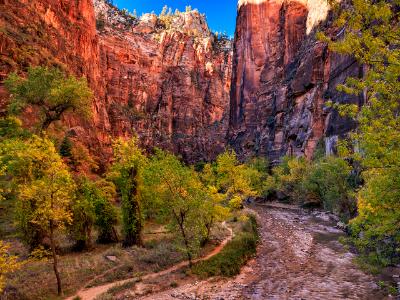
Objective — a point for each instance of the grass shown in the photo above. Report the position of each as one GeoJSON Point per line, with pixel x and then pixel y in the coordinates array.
{"type": "Point", "coordinates": [388, 288]}
{"type": "Point", "coordinates": [121, 287]}
{"type": "Point", "coordinates": [80, 268]}
{"type": "Point", "coordinates": [234, 255]}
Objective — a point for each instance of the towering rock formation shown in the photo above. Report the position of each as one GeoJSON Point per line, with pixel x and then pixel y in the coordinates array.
{"type": "Point", "coordinates": [167, 81]}
{"type": "Point", "coordinates": [281, 78]}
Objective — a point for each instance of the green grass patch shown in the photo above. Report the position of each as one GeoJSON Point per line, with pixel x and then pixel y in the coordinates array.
{"type": "Point", "coordinates": [234, 255]}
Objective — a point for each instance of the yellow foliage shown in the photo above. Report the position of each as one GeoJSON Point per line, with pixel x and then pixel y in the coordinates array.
{"type": "Point", "coordinates": [8, 263]}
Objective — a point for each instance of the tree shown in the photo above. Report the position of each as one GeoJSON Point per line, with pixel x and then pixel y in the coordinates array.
{"type": "Point", "coordinates": [51, 92]}
{"type": "Point", "coordinates": [93, 207]}
{"type": "Point", "coordinates": [66, 147]}
{"type": "Point", "coordinates": [44, 187]}
{"type": "Point", "coordinates": [212, 211]}
{"type": "Point", "coordinates": [126, 173]}
{"type": "Point", "coordinates": [372, 36]}
{"type": "Point", "coordinates": [181, 196]}
{"type": "Point", "coordinates": [232, 179]}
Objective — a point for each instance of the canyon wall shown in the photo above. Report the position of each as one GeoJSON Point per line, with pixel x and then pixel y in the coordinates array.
{"type": "Point", "coordinates": [58, 33]}
{"type": "Point", "coordinates": [282, 77]}
{"type": "Point", "coordinates": [167, 81]}
{"type": "Point", "coordinates": [177, 86]}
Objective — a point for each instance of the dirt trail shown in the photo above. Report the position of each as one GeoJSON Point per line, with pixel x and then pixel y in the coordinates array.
{"type": "Point", "coordinates": [299, 258]}
{"type": "Point", "coordinates": [93, 292]}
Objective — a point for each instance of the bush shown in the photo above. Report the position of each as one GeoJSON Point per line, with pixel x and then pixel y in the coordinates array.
{"type": "Point", "coordinates": [235, 254]}
{"type": "Point", "coordinates": [324, 182]}
{"type": "Point", "coordinates": [328, 180]}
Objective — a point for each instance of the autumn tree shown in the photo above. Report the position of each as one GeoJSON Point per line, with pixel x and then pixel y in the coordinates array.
{"type": "Point", "coordinates": [212, 211]}
{"type": "Point", "coordinates": [126, 173]}
{"type": "Point", "coordinates": [45, 188]}
{"type": "Point", "coordinates": [232, 178]}
{"type": "Point", "coordinates": [51, 92]}
{"type": "Point", "coordinates": [371, 34]}
{"type": "Point", "coordinates": [180, 195]}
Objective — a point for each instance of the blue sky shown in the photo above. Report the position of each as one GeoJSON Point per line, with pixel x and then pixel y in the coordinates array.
{"type": "Point", "coordinates": [221, 14]}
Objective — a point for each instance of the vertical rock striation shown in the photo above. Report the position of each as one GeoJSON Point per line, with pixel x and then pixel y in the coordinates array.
{"type": "Point", "coordinates": [281, 78]}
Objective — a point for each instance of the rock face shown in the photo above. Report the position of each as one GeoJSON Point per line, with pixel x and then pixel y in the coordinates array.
{"type": "Point", "coordinates": [281, 78]}
{"type": "Point", "coordinates": [170, 81]}
{"type": "Point", "coordinates": [58, 33]}
{"type": "Point", "coordinates": [167, 81]}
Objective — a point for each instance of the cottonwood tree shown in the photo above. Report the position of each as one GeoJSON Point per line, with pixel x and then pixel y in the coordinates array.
{"type": "Point", "coordinates": [233, 180]}
{"type": "Point", "coordinates": [181, 196]}
{"type": "Point", "coordinates": [51, 92]}
{"type": "Point", "coordinates": [45, 189]}
{"type": "Point", "coordinates": [126, 173]}
{"type": "Point", "coordinates": [212, 211]}
{"type": "Point", "coordinates": [372, 35]}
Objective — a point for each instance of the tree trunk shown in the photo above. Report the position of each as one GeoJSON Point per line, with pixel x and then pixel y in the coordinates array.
{"type": "Point", "coordinates": [55, 261]}
{"type": "Point", "coordinates": [185, 239]}
{"type": "Point", "coordinates": [46, 124]}
{"type": "Point", "coordinates": [134, 215]}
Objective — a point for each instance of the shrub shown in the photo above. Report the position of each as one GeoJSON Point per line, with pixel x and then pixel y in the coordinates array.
{"type": "Point", "coordinates": [324, 182]}
{"type": "Point", "coordinates": [235, 254]}
{"type": "Point", "coordinates": [328, 179]}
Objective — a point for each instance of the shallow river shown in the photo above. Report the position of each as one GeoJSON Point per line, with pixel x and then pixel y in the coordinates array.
{"type": "Point", "coordinates": [299, 257]}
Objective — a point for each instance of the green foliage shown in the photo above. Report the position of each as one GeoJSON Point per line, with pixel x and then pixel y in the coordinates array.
{"type": "Point", "coordinates": [11, 127]}
{"type": "Point", "coordinates": [328, 180]}
{"type": "Point", "coordinates": [66, 147]}
{"type": "Point", "coordinates": [93, 207]}
{"type": "Point", "coordinates": [372, 36]}
{"type": "Point", "coordinates": [127, 173]}
{"type": "Point", "coordinates": [322, 182]}
{"type": "Point", "coordinates": [43, 184]}
{"type": "Point", "coordinates": [180, 196]}
{"type": "Point", "coordinates": [256, 171]}
{"type": "Point", "coordinates": [287, 179]}
{"type": "Point", "coordinates": [234, 255]}
{"type": "Point", "coordinates": [377, 229]}
{"type": "Point", "coordinates": [51, 92]}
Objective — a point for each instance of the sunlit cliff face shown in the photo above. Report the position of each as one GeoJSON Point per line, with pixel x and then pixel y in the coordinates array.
{"type": "Point", "coordinates": [317, 9]}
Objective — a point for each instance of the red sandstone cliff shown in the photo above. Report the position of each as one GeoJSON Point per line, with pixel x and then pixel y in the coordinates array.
{"type": "Point", "coordinates": [166, 81]}
{"type": "Point", "coordinates": [58, 33]}
{"type": "Point", "coordinates": [281, 78]}
{"type": "Point", "coordinates": [169, 80]}
{"type": "Point", "coordinates": [167, 84]}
